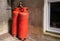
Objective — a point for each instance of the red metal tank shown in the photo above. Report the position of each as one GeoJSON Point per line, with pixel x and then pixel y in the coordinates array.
{"type": "Point", "coordinates": [23, 23]}
{"type": "Point", "coordinates": [14, 22]}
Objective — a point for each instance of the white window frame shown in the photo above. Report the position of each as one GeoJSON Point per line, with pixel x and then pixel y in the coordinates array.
{"type": "Point", "coordinates": [46, 19]}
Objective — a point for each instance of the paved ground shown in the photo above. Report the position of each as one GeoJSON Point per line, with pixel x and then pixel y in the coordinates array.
{"type": "Point", "coordinates": [35, 34]}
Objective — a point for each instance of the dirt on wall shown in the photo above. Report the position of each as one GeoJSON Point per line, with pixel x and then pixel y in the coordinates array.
{"type": "Point", "coordinates": [35, 8]}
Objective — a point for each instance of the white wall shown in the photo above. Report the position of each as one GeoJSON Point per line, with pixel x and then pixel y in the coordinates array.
{"type": "Point", "coordinates": [5, 14]}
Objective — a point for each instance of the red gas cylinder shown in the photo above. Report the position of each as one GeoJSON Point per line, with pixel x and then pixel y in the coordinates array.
{"type": "Point", "coordinates": [14, 21]}
{"type": "Point", "coordinates": [23, 23]}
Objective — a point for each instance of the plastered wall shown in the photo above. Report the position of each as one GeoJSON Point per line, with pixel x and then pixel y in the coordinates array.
{"type": "Point", "coordinates": [5, 15]}
{"type": "Point", "coordinates": [35, 8]}
{"type": "Point", "coordinates": [35, 11]}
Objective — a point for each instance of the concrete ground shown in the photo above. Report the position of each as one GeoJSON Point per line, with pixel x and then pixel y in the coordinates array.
{"type": "Point", "coordinates": [35, 34]}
